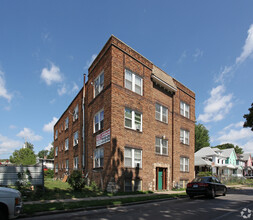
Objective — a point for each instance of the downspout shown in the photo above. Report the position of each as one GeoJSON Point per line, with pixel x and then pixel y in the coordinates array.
{"type": "Point", "coordinates": [173, 118]}
{"type": "Point", "coordinates": [84, 76]}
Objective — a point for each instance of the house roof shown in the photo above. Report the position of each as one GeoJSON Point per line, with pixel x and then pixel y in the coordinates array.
{"type": "Point", "coordinates": [227, 152]}
{"type": "Point", "coordinates": [245, 156]}
{"type": "Point", "coordinates": [199, 161]}
{"type": "Point", "coordinates": [205, 151]}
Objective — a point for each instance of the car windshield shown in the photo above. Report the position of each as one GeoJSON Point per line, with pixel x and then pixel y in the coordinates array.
{"type": "Point", "coordinates": [202, 179]}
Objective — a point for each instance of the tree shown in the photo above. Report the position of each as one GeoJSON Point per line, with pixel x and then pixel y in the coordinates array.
{"type": "Point", "coordinates": [238, 150]}
{"type": "Point", "coordinates": [24, 156]}
{"type": "Point", "coordinates": [29, 145]}
{"type": "Point", "coordinates": [249, 119]}
{"type": "Point", "coordinates": [43, 153]}
{"type": "Point", "coordinates": [202, 138]}
{"type": "Point", "coordinates": [51, 153]}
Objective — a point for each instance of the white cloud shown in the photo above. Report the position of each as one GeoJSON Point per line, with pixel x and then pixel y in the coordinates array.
{"type": "Point", "coordinates": [48, 147]}
{"type": "Point", "coordinates": [247, 48]}
{"type": "Point", "coordinates": [182, 57]}
{"type": "Point", "coordinates": [198, 53]}
{"type": "Point", "coordinates": [217, 106]}
{"type": "Point", "coordinates": [12, 127]}
{"type": "Point", "coordinates": [29, 135]}
{"type": "Point", "coordinates": [248, 147]}
{"type": "Point", "coordinates": [50, 126]}
{"type": "Point", "coordinates": [235, 125]}
{"type": "Point", "coordinates": [75, 87]}
{"type": "Point", "coordinates": [89, 62]}
{"type": "Point", "coordinates": [3, 91]}
{"type": "Point", "coordinates": [62, 90]}
{"type": "Point", "coordinates": [7, 145]}
{"type": "Point", "coordinates": [235, 135]}
{"type": "Point", "coordinates": [51, 75]}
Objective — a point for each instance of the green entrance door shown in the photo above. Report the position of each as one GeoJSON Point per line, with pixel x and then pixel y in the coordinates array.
{"type": "Point", "coordinates": [160, 179]}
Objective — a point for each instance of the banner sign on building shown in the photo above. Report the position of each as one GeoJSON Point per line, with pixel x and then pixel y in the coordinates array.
{"type": "Point", "coordinates": [103, 138]}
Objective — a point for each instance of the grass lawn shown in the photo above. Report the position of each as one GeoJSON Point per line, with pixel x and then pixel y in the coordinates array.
{"type": "Point", "coordinates": [30, 209]}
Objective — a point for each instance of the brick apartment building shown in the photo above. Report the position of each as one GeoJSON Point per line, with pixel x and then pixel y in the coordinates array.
{"type": "Point", "coordinates": [131, 127]}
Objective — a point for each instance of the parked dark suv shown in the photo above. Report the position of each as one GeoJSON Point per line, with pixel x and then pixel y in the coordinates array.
{"type": "Point", "coordinates": [209, 186]}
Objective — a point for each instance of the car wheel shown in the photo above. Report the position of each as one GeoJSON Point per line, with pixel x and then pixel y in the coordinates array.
{"type": "Point", "coordinates": [224, 191]}
{"type": "Point", "coordinates": [3, 215]}
{"type": "Point", "coordinates": [212, 193]}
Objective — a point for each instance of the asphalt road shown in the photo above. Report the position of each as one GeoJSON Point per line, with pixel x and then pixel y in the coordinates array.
{"type": "Point", "coordinates": [228, 207]}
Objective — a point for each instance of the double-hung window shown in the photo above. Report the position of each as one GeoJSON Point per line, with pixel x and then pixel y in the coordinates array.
{"type": "Point", "coordinates": [161, 113]}
{"type": "Point", "coordinates": [161, 146]}
{"type": "Point", "coordinates": [75, 113]}
{"type": "Point", "coordinates": [184, 109]}
{"type": "Point", "coordinates": [56, 134]}
{"type": "Point", "coordinates": [99, 84]}
{"type": "Point", "coordinates": [133, 119]}
{"type": "Point", "coordinates": [99, 121]}
{"type": "Point", "coordinates": [66, 123]}
{"type": "Point", "coordinates": [184, 136]}
{"type": "Point", "coordinates": [133, 157]}
{"type": "Point", "coordinates": [56, 167]}
{"type": "Point", "coordinates": [133, 82]}
{"type": "Point", "coordinates": [56, 151]}
{"type": "Point", "coordinates": [66, 144]}
{"type": "Point", "coordinates": [99, 157]}
{"type": "Point", "coordinates": [75, 163]}
{"type": "Point", "coordinates": [184, 164]}
{"type": "Point", "coordinates": [67, 165]}
{"type": "Point", "coordinates": [75, 140]}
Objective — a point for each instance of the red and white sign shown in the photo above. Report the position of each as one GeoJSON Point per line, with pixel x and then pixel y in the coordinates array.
{"type": "Point", "coordinates": [103, 138]}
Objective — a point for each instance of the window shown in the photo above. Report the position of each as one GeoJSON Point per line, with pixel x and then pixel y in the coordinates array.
{"type": "Point", "coordinates": [56, 134]}
{"type": "Point", "coordinates": [56, 151]}
{"type": "Point", "coordinates": [66, 144]}
{"type": "Point", "coordinates": [75, 113]}
{"type": "Point", "coordinates": [133, 157]}
{"type": "Point", "coordinates": [56, 167]}
{"type": "Point", "coordinates": [133, 185]}
{"type": "Point", "coordinates": [75, 141]}
{"type": "Point", "coordinates": [67, 165]}
{"type": "Point", "coordinates": [99, 121]}
{"type": "Point", "coordinates": [161, 113]}
{"type": "Point", "coordinates": [133, 119]}
{"type": "Point", "coordinates": [184, 109]}
{"type": "Point", "coordinates": [133, 82]}
{"type": "Point", "coordinates": [184, 164]}
{"type": "Point", "coordinates": [99, 84]}
{"type": "Point", "coordinates": [99, 157]}
{"type": "Point", "coordinates": [66, 123]}
{"type": "Point", "coordinates": [161, 146]}
{"type": "Point", "coordinates": [184, 136]}
{"type": "Point", "coordinates": [75, 163]}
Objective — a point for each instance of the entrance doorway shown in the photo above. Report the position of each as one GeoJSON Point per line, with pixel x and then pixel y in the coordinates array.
{"type": "Point", "coordinates": [161, 178]}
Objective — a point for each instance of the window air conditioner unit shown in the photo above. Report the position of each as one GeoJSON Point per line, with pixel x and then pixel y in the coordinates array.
{"type": "Point", "coordinates": [138, 127]}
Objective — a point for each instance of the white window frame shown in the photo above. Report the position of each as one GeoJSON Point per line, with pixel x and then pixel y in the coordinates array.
{"type": "Point", "coordinates": [99, 157]}
{"type": "Point", "coordinates": [160, 114]}
{"type": "Point", "coordinates": [66, 145]}
{"type": "Point", "coordinates": [133, 81]}
{"type": "Point", "coordinates": [184, 137]}
{"type": "Point", "coordinates": [66, 123]}
{"type": "Point", "coordinates": [56, 151]}
{"type": "Point", "coordinates": [75, 163]}
{"type": "Point", "coordinates": [56, 134]}
{"type": "Point", "coordinates": [134, 125]}
{"type": "Point", "coordinates": [184, 164]}
{"type": "Point", "coordinates": [132, 157]}
{"type": "Point", "coordinates": [100, 121]}
{"type": "Point", "coordinates": [67, 165]}
{"type": "Point", "coordinates": [75, 113]}
{"type": "Point", "coordinates": [75, 139]}
{"type": "Point", "coordinates": [184, 109]}
{"type": "Point", "coordinates": [161, 146]}
{"type": "Point", "coordinates": [99, 84]}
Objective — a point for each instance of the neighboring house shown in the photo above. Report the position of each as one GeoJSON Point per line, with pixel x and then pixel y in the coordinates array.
{"type": "Point", "coordinates": [47, 163]}
{"type": "Point", "coordinates": [248, 169]}
{"type": "Point", "coordinates": [240, 165]}
{"type": "Point", "coordinates": [131, 127]}
{"type": "Point", "coordinates": [219, 162]}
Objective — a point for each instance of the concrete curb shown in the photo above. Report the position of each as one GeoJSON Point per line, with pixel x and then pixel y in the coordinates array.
{"type": "Point", "coordinates": [98, 207]}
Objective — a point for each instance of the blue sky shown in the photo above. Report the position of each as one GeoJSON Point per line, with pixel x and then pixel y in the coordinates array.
{"type": "Point", "coordinates": [46, 46]}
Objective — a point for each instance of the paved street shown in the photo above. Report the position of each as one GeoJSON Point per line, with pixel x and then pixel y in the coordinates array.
{"type": "Point", "coordinates": [228, 207]}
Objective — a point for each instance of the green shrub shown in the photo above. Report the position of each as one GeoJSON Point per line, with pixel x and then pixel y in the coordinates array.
{"type": "Point", "coordinates": [206, 173]}
{"type": "Point", "coordinates": [75, 180]}
{"type": "Point", "coordinates": [49, 174]}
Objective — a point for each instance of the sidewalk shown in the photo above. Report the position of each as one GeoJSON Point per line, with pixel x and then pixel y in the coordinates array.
{"type": "Point", "coordinates": [101, 198]}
